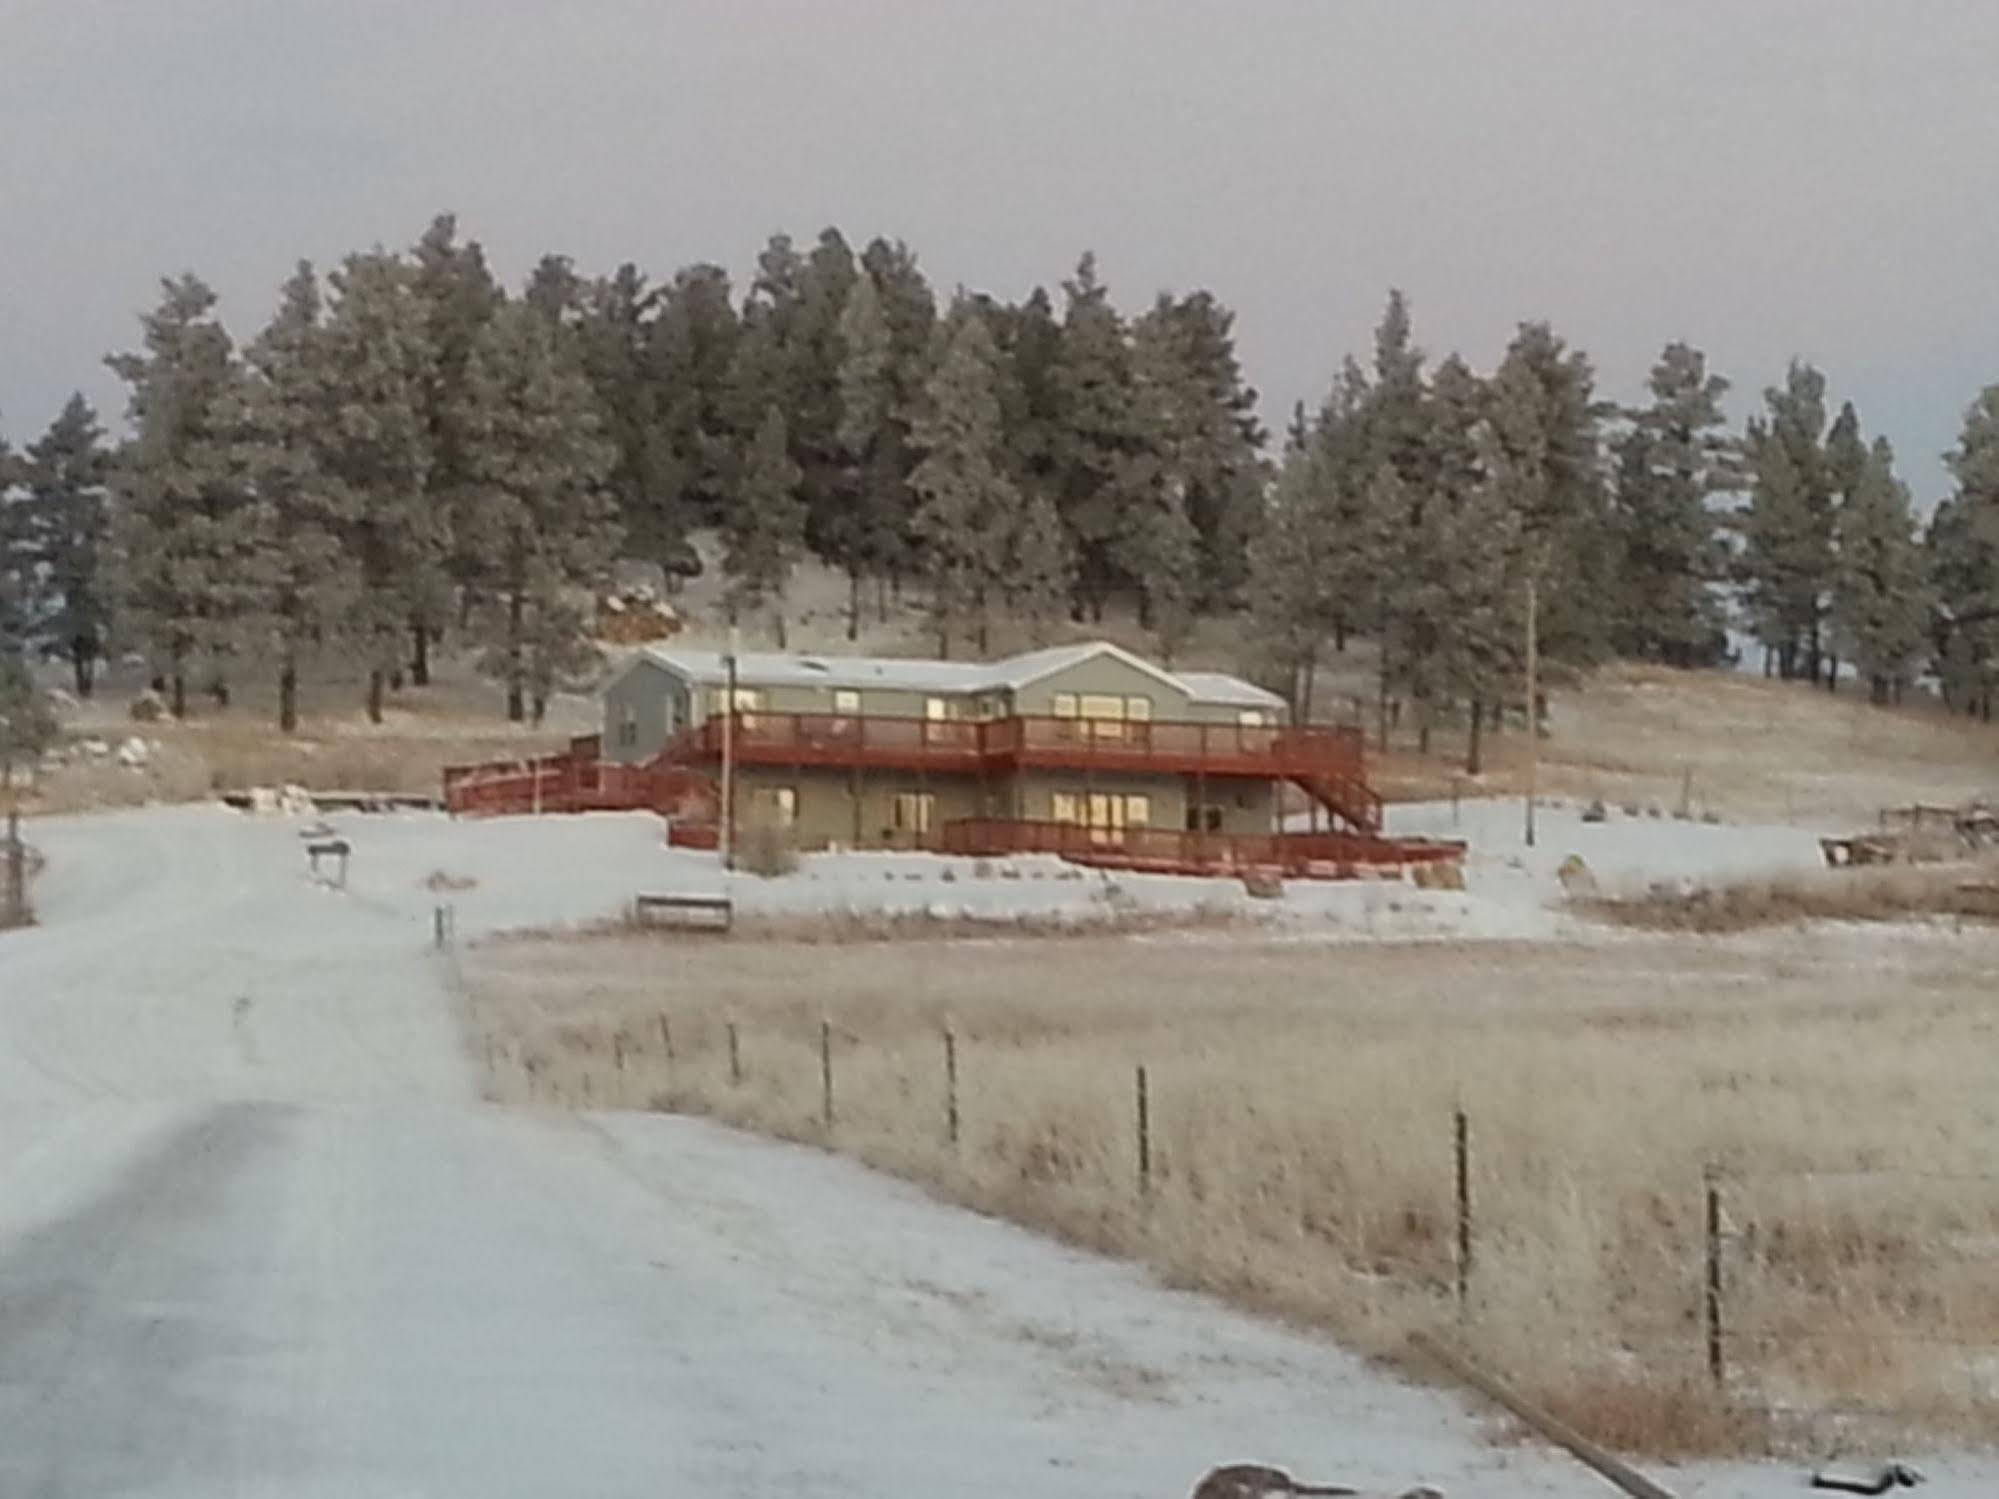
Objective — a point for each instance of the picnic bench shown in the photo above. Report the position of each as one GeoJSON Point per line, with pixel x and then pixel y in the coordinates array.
{"type": "Point", "coordinates": [705, 913]}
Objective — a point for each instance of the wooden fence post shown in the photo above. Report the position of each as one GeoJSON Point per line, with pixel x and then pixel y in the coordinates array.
{"type": "Point", "coordinates": [1144, 1135]}
{"type": "Point", "coordinates": [951, 1087]}
{"type": "Point", "coordinates": [826, 1073]}
{"type": "Point", "coordinates": [1717, 1366]}
{"type": "Point", "coordinates": [1461, 1149]}
{"type": "Point", "coordinates": [735, 1057]}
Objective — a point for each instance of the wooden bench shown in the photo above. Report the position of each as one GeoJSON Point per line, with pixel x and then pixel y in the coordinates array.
{"type": "Point", "coordinates": [705, 913]}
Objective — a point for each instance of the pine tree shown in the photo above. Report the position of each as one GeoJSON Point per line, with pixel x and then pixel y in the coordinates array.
{"type": "Point", "coordinates": [1962, 555]}
{"type": "Point", "coordinates": [691, 355]}
{"type": "Point", "coordinates": [18, 579]}
{"type": "Point", "coordinates": [380, 368]}
{"type": "Point", "coordinates": [1671, 462]}
{"type": "Point", "coordinates": [68, 525]}
{"type": "Point", "coordinates": [858, 533]}
{"type": "Point", "coordinates": [1290, 606]}
{"type": "Point", "coordinates": [191, 528]}
{"type": "Point", "coordinates": [1098, 437]}
{"type": "Point", "coordinates": [1546, 425]}
{"type": "Point", "coordinates": [1881, 600]}
{"type": "Point", "coordinates": [537, 469]}
{"type": "Point", "coordinates": [1789, 556]}
{"type": "Point", "coordinates": [1157, 544]}
{"type": "Point", "coordinates": [458, 294]}
{"type": "Point", "coordinates": [291, 403]}
{"type": "Point", "coordinates": [617, 339]}
{"type": "Point", "coordinates": [1211, 425]}
{"type": "Point", "coordinates": [984, 541]}
{"type": "Point", "coordinates": [766, 526]}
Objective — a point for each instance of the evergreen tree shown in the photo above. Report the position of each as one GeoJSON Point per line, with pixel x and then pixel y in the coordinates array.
{"type": "Point", "coordinates": [18, 581]}
{"type": "Point", "coordinates": [1290, 607]}
{"type": "Point", "coordinates": [1671, 462]}
{"type": "Point", "coordinates": [1157, 544]}
{"type": "Point", "coordinates": [381, 373]}
{"type": "Point", "coordinates": [1881, 601]}
{"type": "Point", "coordinates": [692, 353]}
{"type": "Point", "coordinates": [458, 294]}
{"type": "Point", "coordinates": [537, 471]}
{"type": "Point", "coordinates": [909, 309]}
{"type": "Point", "coordinates": [1210, 422]}
{"type": "Point", "coordinates": [646, 480]}
{"type": "Point", "coordinates": [858, 534]}
{"type": "Point", "coordinates": [68, 525]}
{"type": "Point", "coordinates": [1789, 557]}
{"type": "Point", "coordinates": [766, 526]}
{"type": "Point", "coordinates": [814, 358]}
{"type": "Point", "coordinates": [984, 541]}
{"type": "Point", "coordinates": [1962, 555]}
{"type": "Point", "coordinates": [314, 585]}
{"type": "Point", "coordinates": [191, 528]}
{"type": "Point", "coordinates": [27, 724]}
{"type": "Point", "coordinates": [1546, 428]}
{"type": "Point", "coordinates": [1098, 437]}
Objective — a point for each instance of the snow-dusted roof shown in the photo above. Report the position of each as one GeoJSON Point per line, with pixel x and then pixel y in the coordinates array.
{"type": "Point", "coordinates": [914, 674]}
{"type": "Point", "coordinates": [1220, 687]}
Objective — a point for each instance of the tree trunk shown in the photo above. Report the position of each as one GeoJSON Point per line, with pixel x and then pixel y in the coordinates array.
{"type": "Point", "coordinates": [538, 709]}
{"type": "Point", "coordinates": [396, 680]}
{"type": "Point", "coordinates": [419, 654]}
{"type": "Point", "coordinates": [853, 603]}
{"type": "Point", "coordinates": [1880, 693]}
{"type": "Point", "coordinates": [1340, 634]}
{"type": "Point", "coordinates": [1423, 728]}
{"type": "Point", "coordinates": [219, 690]}
{"type": "Point", "coordinates": [179, 685]}
{"type": "Point", "coordinates": [516, 630]}
{"type": "Point", "coordinates": [1309, 684]}
{"type": "Point", "coordinates": [1475, 749]}
{"type": "Point", "coordinates": [1832, 672]}
{"type": "Point", "coordinates": [777, 620]}
{"type": "Point", "coordinates": [376, 681]}
{"type": "Point", "coordinates": [881, 601]}
{"type": "Point", "coordinates": [82, 660]}
{"type": "Point", "coordinates": [1381, 706]}
{"type": "Point", "coordinates": [288, 696]}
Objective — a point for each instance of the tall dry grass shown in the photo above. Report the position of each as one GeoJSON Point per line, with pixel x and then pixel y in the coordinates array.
{"type": "Point", "coordinates": [1302, 1099]}
{"type": "Point", "coordinates": [1965, 890]}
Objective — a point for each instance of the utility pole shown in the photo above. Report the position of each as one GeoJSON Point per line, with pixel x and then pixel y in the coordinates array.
{"type": "Point", "coordinates": [1533, 708]}
{"type": "Point", "coordinates": [729, 755]}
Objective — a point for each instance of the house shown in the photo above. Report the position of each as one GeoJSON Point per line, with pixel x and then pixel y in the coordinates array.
{"type": "Point", "coordinates": [1085, 741]}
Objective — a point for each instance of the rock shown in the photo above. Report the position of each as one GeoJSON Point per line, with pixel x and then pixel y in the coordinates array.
{"type": "Point", "coordinates": [1438, 876]}
{"type": "Point", "coordinates": [96, 749]}
{"type": "Point", "coordinates": [61, 701]}
{"type": "Point", "coordinates": [1262, 884]}
{"type": "Point", "coordinates": [263, 801]}
{"type": "Point", "coordinates": [148, 707]}
{"type": "Point", "coordinates": [1596, 811]}
{"type": "Point", "coordinates": [296, 801]}
{"type": "Point", "coordinates": [133, 754]}
{"type": "Point", "coordinates": [1577, 881]}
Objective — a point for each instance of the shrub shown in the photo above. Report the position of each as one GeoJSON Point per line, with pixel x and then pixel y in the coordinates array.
{"type": "Point", "coordinates": [768, 851]}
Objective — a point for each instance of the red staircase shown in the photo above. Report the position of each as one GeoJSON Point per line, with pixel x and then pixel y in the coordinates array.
{"type": "Point", "coordinates": [1347, 798]}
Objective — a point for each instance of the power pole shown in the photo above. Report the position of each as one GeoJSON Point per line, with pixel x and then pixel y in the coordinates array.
{"type": "Point", "coordinates": [729, 756]}
{"type": "Point", "coordinates": [1533, 708]}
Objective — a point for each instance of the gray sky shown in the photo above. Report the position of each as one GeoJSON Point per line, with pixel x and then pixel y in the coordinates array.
{"type": "Point", "coordinates": [1761, 177]}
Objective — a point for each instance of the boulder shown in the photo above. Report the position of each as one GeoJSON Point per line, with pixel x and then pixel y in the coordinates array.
{"type": "Point", "coordinates": [133, 753]}
{"type": "Point", "coordinates": [1577, 881]}
{"type": "Point", "coordinates": [148, 707]}
{"type": "Point", "coordinates": [296, 801]}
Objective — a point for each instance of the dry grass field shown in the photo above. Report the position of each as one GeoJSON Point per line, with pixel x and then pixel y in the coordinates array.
{"type": "Point", "coordinates": [1302, 1098]}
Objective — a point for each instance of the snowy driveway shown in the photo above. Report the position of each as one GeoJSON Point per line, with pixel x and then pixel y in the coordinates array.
{"type": "Point", "coordinates": [258, 1236]}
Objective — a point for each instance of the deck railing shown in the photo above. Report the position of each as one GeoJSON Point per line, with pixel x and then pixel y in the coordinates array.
{"type": "Point", "coordinates": [1169, 848]}
{"type": "Point", "coordinates": [1003, 743]}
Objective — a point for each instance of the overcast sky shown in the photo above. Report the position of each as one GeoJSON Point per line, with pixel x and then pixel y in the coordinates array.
{"type": "Point", "coordinates": [1761, 177]}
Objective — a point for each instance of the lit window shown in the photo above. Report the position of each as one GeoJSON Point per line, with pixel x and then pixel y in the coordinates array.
{"type": "Point", "coordinates": [846, 700]}
{"type": "Point", "coordinates": [1065, 705]}
{"type": "Point", "coordinates": [1065, 806]}
{"type": "Point", "coordinates": [775, 805]}
{"type": "Point", "coordinates": [1138, 709]}
{"type": "Point", "coordinates": [1138, 811]}
{"type": "Point", "coordinates": [1252, 718]}
{"type": "Point", "coordinates": [911, 811]}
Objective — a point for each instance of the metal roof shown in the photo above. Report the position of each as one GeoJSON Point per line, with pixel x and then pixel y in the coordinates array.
{"type": "Point", "coordinates": [915, 674]}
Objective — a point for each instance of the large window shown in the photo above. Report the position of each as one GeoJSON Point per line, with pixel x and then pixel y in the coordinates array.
{"type": "Point", "coordinates": [1104, 715]}
{"type": "Point", "coordinates": [748, 700]}
{"type": "Point", "coordinates": [1107, 814]}
{"type": "Point", "coordinates": [912, 811]}
{"type": "Point", "coordinates": [628, 726]}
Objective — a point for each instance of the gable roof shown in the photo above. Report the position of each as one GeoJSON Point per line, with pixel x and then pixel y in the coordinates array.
{"type": "Point", "coordinates": [917, 674]}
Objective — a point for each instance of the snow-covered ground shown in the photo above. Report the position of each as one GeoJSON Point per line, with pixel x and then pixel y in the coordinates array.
{"type": "Point", "coordinates": [258, 1236]}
